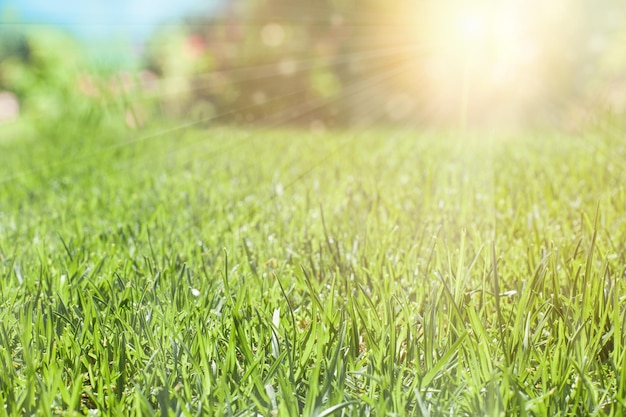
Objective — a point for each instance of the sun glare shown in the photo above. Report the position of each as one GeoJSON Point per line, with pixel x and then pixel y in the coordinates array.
{"type": "Point", "coordinates": [485, 26]}
{"type": "Point", "coordinates": [471, 28]}
{"type": "Point", "coordinates": [480, 52]}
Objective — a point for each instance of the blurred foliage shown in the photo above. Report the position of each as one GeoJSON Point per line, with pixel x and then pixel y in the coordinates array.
{"type": "Point", "coordinates": [341, 61]}
{"type": "Point", "coordinates": [322, 64]}
{"type": "Point", "coordinates": [60, 92]}
{"type": "Point", "coordinates": [279, 62]}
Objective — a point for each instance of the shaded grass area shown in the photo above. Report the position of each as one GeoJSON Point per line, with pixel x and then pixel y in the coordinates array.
{"type": "Point", "coordinates": [281, 272]}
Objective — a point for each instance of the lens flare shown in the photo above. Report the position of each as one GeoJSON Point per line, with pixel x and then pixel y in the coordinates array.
{"type": "Point", "coordinates": [483, 56]}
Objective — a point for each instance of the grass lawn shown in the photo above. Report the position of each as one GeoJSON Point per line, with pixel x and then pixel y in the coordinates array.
{"type": "Point", "coordinates": [258, 272]}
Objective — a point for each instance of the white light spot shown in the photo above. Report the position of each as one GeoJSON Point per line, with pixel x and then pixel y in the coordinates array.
{"type": "Point", "coordinates": [273, 35]}
{"type": "Point", "coordinates": [287, 67]}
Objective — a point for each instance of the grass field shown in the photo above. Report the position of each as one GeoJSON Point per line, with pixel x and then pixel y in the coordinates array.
{"type": "Point", "coordinates": [245, 272]}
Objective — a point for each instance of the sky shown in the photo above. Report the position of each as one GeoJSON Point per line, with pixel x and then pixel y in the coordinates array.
{"type": "Point", "coordinates": [94, 19]}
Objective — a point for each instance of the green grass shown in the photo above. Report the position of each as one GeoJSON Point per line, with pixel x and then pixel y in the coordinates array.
{"type": "Point", "coordinates": [247, 272]}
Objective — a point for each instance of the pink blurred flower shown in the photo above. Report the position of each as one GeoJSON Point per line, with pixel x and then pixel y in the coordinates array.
{"type": "Point", "coordinates": [9, 107]}
{"type": "Point", "coordinates": [194, 46]}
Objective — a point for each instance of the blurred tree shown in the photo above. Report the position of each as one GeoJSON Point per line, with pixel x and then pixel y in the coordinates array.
{"type": "Point", "coordinates": [58, 96]}
{"type": "Point", "coordinates": [277, 61]}
{"type": "Point", "coordinates": [343, 61]}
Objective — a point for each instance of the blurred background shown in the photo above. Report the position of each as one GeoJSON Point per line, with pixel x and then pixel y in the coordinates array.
{"type": "Point", "coordinates": [318, 65]}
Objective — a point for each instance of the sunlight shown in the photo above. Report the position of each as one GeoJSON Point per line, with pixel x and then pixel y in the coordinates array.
{"type": "Point", "coordinates": [484, 36]}
{"type": "Point", "coordinates": [480, 31]}
{"type": "Point", "coordinates": [479, 52]}
{"type": "Point", "coordinates": [471, 28]}
{"type": "Point", "coordinates": [484, 25]}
